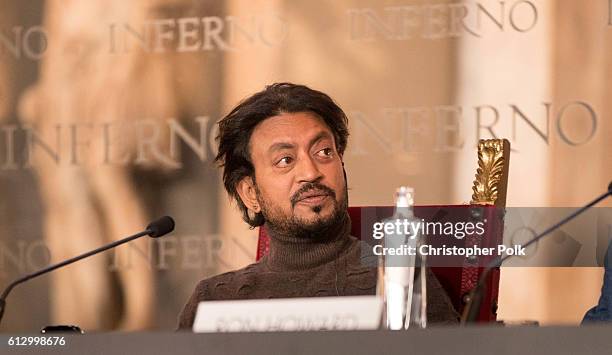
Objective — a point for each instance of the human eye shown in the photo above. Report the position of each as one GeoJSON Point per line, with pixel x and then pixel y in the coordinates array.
{"type": "Point", "coordinates": [325, 153]}
{"type": "Point", "coordinates": [284, 162]}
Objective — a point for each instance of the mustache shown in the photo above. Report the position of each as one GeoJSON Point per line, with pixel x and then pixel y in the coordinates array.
{"type": "Point", "coordinates": [295, 198]}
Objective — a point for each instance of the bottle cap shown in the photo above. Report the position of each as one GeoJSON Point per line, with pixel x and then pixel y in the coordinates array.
{"type": "Point", "coordinates": [404, 196]}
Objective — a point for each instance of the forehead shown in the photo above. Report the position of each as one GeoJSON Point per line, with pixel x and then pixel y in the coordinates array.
{"type": "Point", "coordinates": [292, 128]}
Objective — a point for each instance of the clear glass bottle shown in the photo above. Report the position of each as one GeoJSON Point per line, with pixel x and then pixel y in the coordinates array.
{"type": "Point", "coordinates": [405, 295]}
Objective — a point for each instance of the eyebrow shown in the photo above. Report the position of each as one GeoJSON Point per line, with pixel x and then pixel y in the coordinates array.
{"type": "Point", "coordinates": [284, 145]}
{"type": "Point", "coordinates": [280, 146]}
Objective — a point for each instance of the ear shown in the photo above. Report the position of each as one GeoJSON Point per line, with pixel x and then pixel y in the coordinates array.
{"type": "Point", "coordinates": [246, 191]}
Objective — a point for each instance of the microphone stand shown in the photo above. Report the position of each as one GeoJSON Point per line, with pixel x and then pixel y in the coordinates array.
{"type": "Point", "coordinates": [50, 268]}
{"type": "Point", "coordinates": [471, 310]}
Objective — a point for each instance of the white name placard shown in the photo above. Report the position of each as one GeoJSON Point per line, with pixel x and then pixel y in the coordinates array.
{"type": "Point", "coordinates": [289, 314]}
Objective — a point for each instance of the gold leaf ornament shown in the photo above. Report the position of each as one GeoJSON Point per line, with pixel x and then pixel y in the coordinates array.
{"type": "Point", "coordinates": [492, 174]}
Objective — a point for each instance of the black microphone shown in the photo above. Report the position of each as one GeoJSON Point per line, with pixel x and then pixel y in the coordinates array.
{"type": "Point", "coordinates": [160, 227]}
{"type": "Point", "coordinates": [472, 308]}
{"type": "Point", "coordinates": [155, 229]}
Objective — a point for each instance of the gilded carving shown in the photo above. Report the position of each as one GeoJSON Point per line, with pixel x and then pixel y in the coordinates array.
{"type": "Point", "coordinates": [492, 174]}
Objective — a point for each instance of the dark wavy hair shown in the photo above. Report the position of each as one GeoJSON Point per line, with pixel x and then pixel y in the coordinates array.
{"type": "Point", "coordinates": [236, 128]}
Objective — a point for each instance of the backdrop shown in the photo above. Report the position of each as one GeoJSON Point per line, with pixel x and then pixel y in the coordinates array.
{"type": "Point", "coordinates": [108, 111]}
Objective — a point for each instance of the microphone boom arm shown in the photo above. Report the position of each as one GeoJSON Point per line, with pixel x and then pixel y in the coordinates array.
{"type": "Point", "coordinates": [50, 268]}
{"type": "Point", "coordinates": [155, 229]}
{"type": "Point", "coordinates": [472, 308]}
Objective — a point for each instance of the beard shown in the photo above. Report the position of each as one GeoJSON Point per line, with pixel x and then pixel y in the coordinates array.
{"type": "Point", "coordinates": [318, 228]}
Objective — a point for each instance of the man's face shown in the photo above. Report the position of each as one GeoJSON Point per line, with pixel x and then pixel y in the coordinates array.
{"type": "Point", "coordinates": [299, 181]}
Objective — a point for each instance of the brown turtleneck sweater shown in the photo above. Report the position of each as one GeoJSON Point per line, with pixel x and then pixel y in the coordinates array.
{"type": "Point", "coordinates": [299, 267]}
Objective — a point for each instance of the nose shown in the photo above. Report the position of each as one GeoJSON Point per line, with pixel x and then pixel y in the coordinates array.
{"type": "Point", "coordinates": [308, 170]}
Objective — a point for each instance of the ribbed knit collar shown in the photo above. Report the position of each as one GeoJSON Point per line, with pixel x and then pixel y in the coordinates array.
{"type": "Point", "coordinates": [290, 253]}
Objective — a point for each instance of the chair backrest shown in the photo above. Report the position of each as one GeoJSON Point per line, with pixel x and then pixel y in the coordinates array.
{"type": "Point", "coordinates": [488, 202]}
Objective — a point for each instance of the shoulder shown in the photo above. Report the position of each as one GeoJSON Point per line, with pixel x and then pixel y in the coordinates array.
{"type": "Point", "coordinates": [226, 286]}
{"type": "Point", "coordinates": [229, 285]}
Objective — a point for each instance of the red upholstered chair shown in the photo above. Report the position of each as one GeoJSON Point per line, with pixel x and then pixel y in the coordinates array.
{"type": "Point", "coordinates": [488, 202]}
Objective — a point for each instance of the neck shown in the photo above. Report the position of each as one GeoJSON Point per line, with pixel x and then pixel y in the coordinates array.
{"type": "Point", "coordinates": [293, 252]}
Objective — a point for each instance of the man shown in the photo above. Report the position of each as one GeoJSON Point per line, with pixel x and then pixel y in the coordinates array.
{"type": "Point", "coordinates": [281, 151]}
